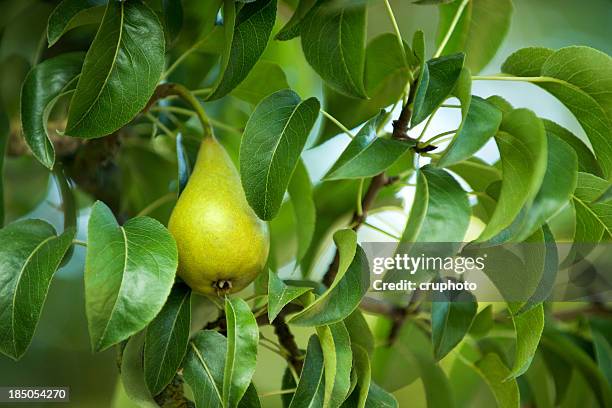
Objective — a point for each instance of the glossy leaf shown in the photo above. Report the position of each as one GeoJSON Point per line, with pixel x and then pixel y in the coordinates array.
{"type": "Point", "coordinates": [441, 211]}
{"type": "Point", "coordinates": [246, 38]}
{"type": "Point", "coordinates": [483, 322]}
{"type": "Point", "coordinates": [379, 398]}
{"type": "Point", "coordinates": [309, 392]}
{"type": "Point", "coordinates": [436, 82]}
{"type": "Point", "coordinates": [528, 327]}
{"type": "Point", "coordinates": [272, 142]}
{"type": "Point", "coordinates": [166, 339]}
{"type": "Point", "coordinates": [121, 70]}
{"type": "Point", "coordinates": [4, 137]}
{"type": "Point", "coordinates": [480, 31]}
{"type": "Point", "coordinates": [42, 87]}
{"type": "Point", "coordinates": [70, 14]}
{"type": "Point", "coordinates": [301, 193]}
{"type": "Point", "coordinates": [480, 122]}
{"type": "Point", "coordinates": [30, 253]}
{"type": "Point", "coordinates": [363, 372]}
{"type": "Point", "coordinates": [350, 285]}
{"type": "Point", "coordinates": [451, 317]}
{"type": "Point", "coordinates": [333, 41]}
{"type": "Point", "coordinates": [173, 18]}
{"type": "Point", "coordinates": [359, 331]}
{"type": "Point", "coordinates": [264, 79]}
{"type": "Point", "coordinates": [495, 374]}
{"type": "Point", "coordinates": [594, 217]}
{"type": "Point", "coordinates": [368, 155]}
{"type": "Point", "coordinates": [549, 275]}
{"type": "Point", "coordinates": [385, 69]}
{"type": "Point", "coordinates": [600, 332]}
{"type": "Point", "coordinates": [338, 361]}
{"type": "Point", "coordinates": [242, 341]}
{"type": "Point", "coordinates": [522, 145]}
{"type": "Point", "coordinates": [293, 27]}
{"type": "Point", "coordinates": [129, 271]}
{"type": "Point", "coordinates": [132, 373]}
{"type": "Point", "coordinates": [203, 368]}
{"type": "Point", "coordinates": [580, 77]}
{"type": "Point", "coordinates": [280, 294]}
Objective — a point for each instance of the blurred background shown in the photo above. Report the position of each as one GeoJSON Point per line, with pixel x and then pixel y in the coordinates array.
{"type": "Point", "coordinates": [60, 352]}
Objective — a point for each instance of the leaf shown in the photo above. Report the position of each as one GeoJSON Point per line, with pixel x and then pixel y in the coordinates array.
{"type": "Point", "coordinates": [70, 14]}
{"type": "Point", "coordinates": [431, 2]}
{"type": "Point", "coordinates": [350, 285]}
{"type": "Point", "coordinates": [451, 317]}
{"type": "Point", "coordinates": [549, 275]}
{"type": "Point", "coordinates": [379, 398]}
{"type": "Point", "coordinates": [359, 331]}
{"type": "Point", "coordinates": [301, 193]}
{"type": "Point", "coordinates": [166, 339]}
{"type": "Point", "coordinates": [480, 31]}
{"type": "Point", "coordinates": [594, 217]}
{"type": "Point", "coordinates": [338, 361]}
{"type": "Point", "coordinates": [4, 137]}
{"type": "Point", "coordinates": [385, 69]}
{"type": "Point", "coordinates": [579, 77]}
{"type": "Point", "coordinates": [242, 341]}
{"type": "Point", "coordinates": [121, 70]}
{"type": "Point", "coordinates": [293, 27]}
{"type": "Point", "coordinates": [246, 36]}
{"type": "Point", "coordinates": [333, 42]}
{"type": "Point", "coordinates": [523, 146]}
{"type": "Point", "coordinates": [132, 374]}
{"type": "Point", "coordinates": [363, 372]}
{"type": "Point", "coordinates": [368, 155]}
{"type": "Point", "coordinates": [280, 294]}
{"type": "Point", "coordinates": [42, 87]}
{"type": "Point", "coordinates": [309, 392]}
{"type": "Point", "coordinates": [436, 82]}
{"type": "Point", "coordinates": [173, 18]}
{"type": "Point", "coordinates": [203, 368]}
{"type": "Point", "coordinates": [441, 210]}
{"type": "Point", "coordinates": [250, 399]}
{"type": "Point", "coordinates": [480, 121]}
{"type": "Point", "coordinates": [483, 322]}
{"type": "Point", "coordinates": [271, 145]}
{"type": "Point", "coordinates": [495, 374]}
{"type": "Point", "coordinates": [600, 332]}
{"type": "Point", "coordinates": [264, 79]}
{"type": "Point", "coordinates": [30, 253]}
{"type": "Point", "coordinates": [129, 271]}
{"type": "Point", "coordinates": [528, 327]}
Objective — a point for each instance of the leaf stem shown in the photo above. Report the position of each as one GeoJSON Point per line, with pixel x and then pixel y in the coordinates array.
{"type": "Point", "coordinates": [188, 97]}
{"type": "Point", "coordinates": [159, 124]}
{"type": "Point", "coordinates": [337, 123]}
{"type": "Point", "coordinates": [440, 135]}
{"type": "Point", "coordinates": [184, 55]}
{"type": "Point", "coordinates": [450, 106]}
{"type": "Point", "coordinates": [187, 112]}
{"type": "Point", "coordinates": [505, 77]}
{"type": "Point", "coordinates": [429, 120]}
{"type": "Point", "coordinates": [279, 392]}
{"type": "Point", "coordinates": [166, 198]}
{"type": "Point", "coordinates": [451, 28]}
{"type": "Point", "coordinates": [359, 198]}
{"type": "Point", "coordinates": [382, 231]}
{"type": "Point", "coordinates": [79, 243]}
{"type": "Point", "coordinates": [398, 34]}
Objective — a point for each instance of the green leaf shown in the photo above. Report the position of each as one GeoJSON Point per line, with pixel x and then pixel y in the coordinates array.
{"type": "Point", "coordinates": [350, 285]}
{"type": "Point", "coordinates": [592, 218]}
{"type": "Point", "coordinates": [173, 18]}
{"type": "Point", "coordinates": [132, 373]}
{"type": "Point", "coordinates": [581, 78]}
{"type": "Point", "coordinates": [309, 392]}
{"type": "Point", "coordinates": [605, 196]}
{"type": "Point", "coordinates": [549, 275]}
{"type": "Point", "coordinates": [385, 70]}
{"type": "Point", "coordinates": [451, 317]}
{"type": "Point", "coordinates": [250, 399]}
{"type": "Point", "coordinates": [166, 339]}
{"type": "Point", "coordinates": [368, 155]}
{"type": "Point", "coordinates": [70, 14]}
{"type": "Point", "coordinates": [441, 210]}
{"type": "Point", "coordinates": [363, 372]}
{"type": "Point", "coordinates": [42, 87]}
{"type": "Point", "coordinates": [431, 2]}
{"type": "Point", "coordinates": [483, 322]}
{"type": "Point", "coordinates": [338, 361]}
{"type": "Point", "coordinates": [496, 374]}
{"type": "Point", "coordinates": [203, 368]}
{"type": "Point", "coordinates": [600, 332]}
{"type": "Point", "coordinates": [480, 121]}
{"type": "Point", "coordinates": [480, 31]}
{"type": "Point", "coordinates": [301, 193]}
{"type": "Point", "coordinates": [436, 82]}
{"type": "Point", "coordinates": [333, 41]}
{"type": "Point", "coordinates": [528, 327]}
{"type": "Point", "coordinates": [271, 145]}
{"type": "Point", "coordinates": [264, 79]}
{"type": "Point", "coordinates": [30, 253]}
{"type": "Point", "coordinates": [293, 27]}
{"type": "Point", "coordinates": [242, 341]}
{"type": "Point", "coordinates": [379, 398]}
{"type": "Point", "coordinates": [523, 146]}
{"type": "Point", "coordinates": [280, 294]}
{"type": "Point", "coordinates": [587, 163]}
{"type": "Point", "coordinates": [129, 272]}
{"type": "Point", "coordinates": [418, 46]}
{"type": "Point", "coordinates": [246, 38]}
{"type": "Point", "coordinates": [121, 70]}
{"type": "Point", "coordinates": [4, 137]}
{"type": "Point", "coordinates": [359, 331]}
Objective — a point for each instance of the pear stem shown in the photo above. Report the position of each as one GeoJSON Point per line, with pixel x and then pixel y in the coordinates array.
{"type": "Point", "coordinates": [188, 97]}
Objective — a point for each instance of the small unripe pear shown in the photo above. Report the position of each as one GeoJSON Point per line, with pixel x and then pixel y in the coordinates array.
{"type": "Point", "coordinates": [222, 245]}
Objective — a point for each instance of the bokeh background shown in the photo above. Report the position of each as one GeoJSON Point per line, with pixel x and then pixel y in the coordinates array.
{"type": "Point", "coordinates": [60, 352]}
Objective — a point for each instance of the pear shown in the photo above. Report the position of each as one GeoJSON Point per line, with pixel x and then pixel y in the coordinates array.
{"type": "Point", "coordinates": [222, 244]}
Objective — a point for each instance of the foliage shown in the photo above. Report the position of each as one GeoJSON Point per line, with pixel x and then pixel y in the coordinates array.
{"type": "Point", "coordinates": [128, 89]}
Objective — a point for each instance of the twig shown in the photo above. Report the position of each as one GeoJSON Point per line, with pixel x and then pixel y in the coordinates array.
{"type": "Point", "coordinates": [287, 341]}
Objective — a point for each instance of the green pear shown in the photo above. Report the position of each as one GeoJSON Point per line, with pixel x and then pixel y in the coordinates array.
{"type": "Point", "coordinates": [222, 245]}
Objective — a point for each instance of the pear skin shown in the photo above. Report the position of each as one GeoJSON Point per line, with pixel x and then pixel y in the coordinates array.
{"type": "Point", "coordinates": [222, 244]}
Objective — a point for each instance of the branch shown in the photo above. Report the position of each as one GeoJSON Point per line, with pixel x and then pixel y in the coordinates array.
{"type": "Point", "coordinates": [286, 339]}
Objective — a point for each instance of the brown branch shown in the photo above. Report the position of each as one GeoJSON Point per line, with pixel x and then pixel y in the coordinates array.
{"type": "Point", "coordinates": [286, 339]}
{"type": "Point", "coordinates": [173, 395]}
